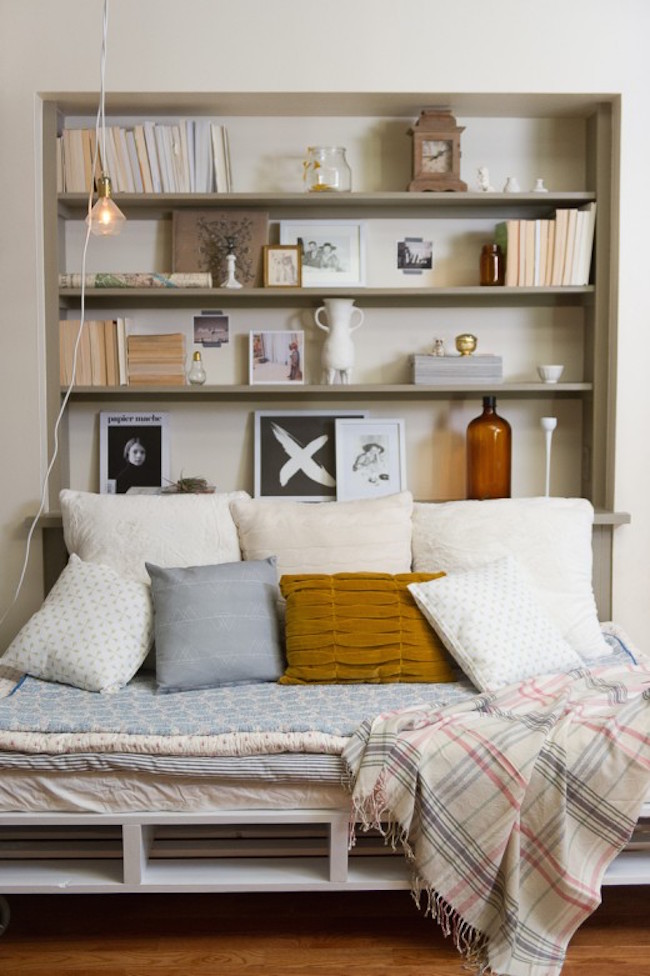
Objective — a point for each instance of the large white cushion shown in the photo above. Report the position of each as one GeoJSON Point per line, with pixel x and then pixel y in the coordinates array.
{"type": "Point", "coordinates": [491, 623]}
{"type": "Point", "coordinates": [93, 630]}
{"type": "Point", "coordinates": [370, 535]}
{"type": "Point", "coordinates": [551, 539]}
{"type": "Point", "coordinates": [126, 531]}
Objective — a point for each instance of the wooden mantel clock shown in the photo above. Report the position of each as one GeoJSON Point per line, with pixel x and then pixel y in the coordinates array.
{"type": "Point", "coordinates": [436, 151]}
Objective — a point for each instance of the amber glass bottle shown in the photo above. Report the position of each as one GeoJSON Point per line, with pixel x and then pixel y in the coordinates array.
{"type": "Point", "coordinates": [489, 448]}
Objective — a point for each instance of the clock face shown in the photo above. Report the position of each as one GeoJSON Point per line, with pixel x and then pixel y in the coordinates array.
{"type": "Point", "coordinates": [436, 156]}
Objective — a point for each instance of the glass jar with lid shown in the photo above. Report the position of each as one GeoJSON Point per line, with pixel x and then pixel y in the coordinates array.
{"type": "Point", "coordinates": [327, 170]}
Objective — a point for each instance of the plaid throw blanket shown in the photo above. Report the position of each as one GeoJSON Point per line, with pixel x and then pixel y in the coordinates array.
{"type": "Point", "coordinates": [510, 806]}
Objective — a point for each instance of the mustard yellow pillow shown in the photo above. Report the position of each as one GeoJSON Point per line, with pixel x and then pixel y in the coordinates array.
{"type": "Point", "coordinates": [359, 627]}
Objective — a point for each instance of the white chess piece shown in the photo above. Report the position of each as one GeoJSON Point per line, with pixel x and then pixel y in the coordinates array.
{"type": "Point", "coordinates": [484, 180]}
{"type": "Point", "coordinates": [548, 425]}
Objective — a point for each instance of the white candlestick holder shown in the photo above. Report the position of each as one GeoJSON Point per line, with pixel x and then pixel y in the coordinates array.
{"type": "Point", "coordinates": [548, 426]}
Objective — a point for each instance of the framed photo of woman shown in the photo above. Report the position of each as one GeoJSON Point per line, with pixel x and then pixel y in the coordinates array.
{"type": "Point", "coordinates": [370, 458]}
{"type": "Point", "coordinates": [133, 452]}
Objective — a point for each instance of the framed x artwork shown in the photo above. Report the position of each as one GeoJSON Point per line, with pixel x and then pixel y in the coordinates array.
{"type": "Point", "coordinates": [295, 453]}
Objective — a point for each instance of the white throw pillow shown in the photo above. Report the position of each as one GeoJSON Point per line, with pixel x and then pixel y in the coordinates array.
{"type": "Point", "coordinates": [550, 538]}
{"type": "Point", "coordinates": [93, 630]}
{"type": "Point", "coordinates": [127, 531]}
{"type": "Point", "coordinates": [491, 623]}
{"type": "Point", "coordinates": [368, 535]}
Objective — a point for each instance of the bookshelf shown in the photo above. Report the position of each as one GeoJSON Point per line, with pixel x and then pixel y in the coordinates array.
{"type": "Point", "coordinates": [574, 325]}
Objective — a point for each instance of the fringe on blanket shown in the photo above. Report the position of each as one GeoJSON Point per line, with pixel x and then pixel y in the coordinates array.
{"type": "Point", "coordinates": [372, 813]}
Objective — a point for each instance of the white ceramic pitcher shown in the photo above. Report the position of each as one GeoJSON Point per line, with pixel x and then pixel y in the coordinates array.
{"type": "Point", "coordinates": [338, 349]}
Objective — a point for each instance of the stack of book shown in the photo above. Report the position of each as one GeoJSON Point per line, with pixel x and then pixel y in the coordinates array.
{"type": "Point", "coordinates": [553, 252]}
{"type": "Point", "coordinates": [188, 156]}
{"type": "Point", "coordinates": [101, 352]}
{"type": "Point", "coordinates": [442, 370]}
{"type": "Point", "coordinates": [156, 360]}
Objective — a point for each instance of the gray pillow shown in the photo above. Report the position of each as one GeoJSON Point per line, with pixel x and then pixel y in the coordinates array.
{"type": "Point", "coordinates": [216, 625]}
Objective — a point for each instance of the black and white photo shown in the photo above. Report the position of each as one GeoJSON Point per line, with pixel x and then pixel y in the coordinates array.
{"type": "Point", "coordinates": [370, 458]}
{"type": "Point", "coordinates": [414, 255]}
{"type": "Point", "coordinates": [333, 251]}
{"type": "Point", "coordinates": [295, 453]}
{"type": "Point", "coordinates": [133, 451]}
{"type": "Point", "coordinates": [211, 329]}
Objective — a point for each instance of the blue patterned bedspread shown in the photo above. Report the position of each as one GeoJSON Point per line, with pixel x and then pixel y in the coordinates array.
{"type": "Point", "coordinates": [139, 710]}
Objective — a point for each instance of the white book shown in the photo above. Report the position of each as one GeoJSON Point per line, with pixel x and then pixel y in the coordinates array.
{"type": "Point", "coordinates": [163, 158]}
{"type": "Point", "coordinates": [203, 177]}
{"type": "Point", "coordinates": [586, 244]}
{"type": "Point", "coordinates": [122, 360]}
{"type": "Point", "coordinates": [143, 158]}
{"type": "Point", "coordinates": [572, 218]}
{"type": "Point", "coordinates": [226, 146]}
{"type": "Point", "coordinates": [123, 162]}
{"type": "Point", "coordinates": [188, 147]}
{"type": "Point", "coordinates": [219, 154]}
{"type": "Point", "coordinates": [178, 163]}
{"type": "Point", "coordinates": [134, 162]}
{"type": "Point", "coordinates": [152, 153]}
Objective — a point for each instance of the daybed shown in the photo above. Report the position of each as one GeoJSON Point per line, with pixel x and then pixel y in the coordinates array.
{"type": "Point", "coordinates": [225, 761]}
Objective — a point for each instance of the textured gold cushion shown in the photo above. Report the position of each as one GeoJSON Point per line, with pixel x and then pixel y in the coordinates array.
{"type": "Point", "coordinates": [359, 627]}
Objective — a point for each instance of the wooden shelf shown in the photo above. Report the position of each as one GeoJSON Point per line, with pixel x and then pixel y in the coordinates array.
{"type": "Point", "coordinates": [466, 296]}
{"type": "Point", "coordinates": [156, 206]}
{"type": "Point", "coordinates": [353, 391]}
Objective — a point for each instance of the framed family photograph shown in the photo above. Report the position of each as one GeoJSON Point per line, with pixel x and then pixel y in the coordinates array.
{"type": "Point", "coordinates": [133, 451]}
{"type": "Point", "coordinates": [295, 453]}
{"type": "Point", "coordinates": [370, 458]}
{"type": "Point", "coordinates": [276, 357]}
{"type": "Point", "coordinates": [333, 251]}
{"type": "Point", "coordinates": [282, 266]}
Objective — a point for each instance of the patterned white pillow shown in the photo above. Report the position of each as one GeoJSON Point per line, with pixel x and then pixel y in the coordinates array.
{"type": "Point", "coordinates": [93, 630]}
{"type": "Point", "coordinates": [489, 620]}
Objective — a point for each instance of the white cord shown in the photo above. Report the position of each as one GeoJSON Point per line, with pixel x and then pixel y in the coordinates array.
{"type": "Point", "coordinates": [100, 129]}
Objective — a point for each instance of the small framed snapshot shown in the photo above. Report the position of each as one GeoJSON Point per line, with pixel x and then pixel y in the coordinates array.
{"type": "Point", "coordinates": [211, 329]}
{"type": "Point", "coordinates": [276, 357]}
{"type": "Point", "coordinates": [282, 266]}
{"type": "Point", "coordinates": [295, 453]}
{"type": "Point", "coordinates": [133, 451]}
{"type": "Point", "coordinates": [333, 251]}
{"type": "Point", "coordinates": [370, 458]}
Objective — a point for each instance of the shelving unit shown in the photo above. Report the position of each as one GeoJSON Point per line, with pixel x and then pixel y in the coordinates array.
{"type": "Point", "coordinates": [572, 138]}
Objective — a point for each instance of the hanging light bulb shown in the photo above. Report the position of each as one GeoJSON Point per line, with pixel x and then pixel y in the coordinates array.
{"type": "Point", "coordinates": [105, 219]}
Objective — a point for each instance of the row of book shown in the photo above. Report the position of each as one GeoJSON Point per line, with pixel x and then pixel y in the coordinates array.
{"type": "Point", "coordinates": [189, 156]}
{"type": "Point", "coordinates": [108, 356]}
{"type": "Point", "coordinates": [429, 370]}
{"type": "Point", "coordinates": [549, 252]}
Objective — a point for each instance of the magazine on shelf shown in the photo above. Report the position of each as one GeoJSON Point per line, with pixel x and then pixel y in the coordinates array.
{"type": "Point", "coordinates": [133, 451]}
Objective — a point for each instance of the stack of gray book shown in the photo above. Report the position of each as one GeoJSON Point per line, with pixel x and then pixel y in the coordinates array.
{"type": "Point", "coordinates": [477, 368]}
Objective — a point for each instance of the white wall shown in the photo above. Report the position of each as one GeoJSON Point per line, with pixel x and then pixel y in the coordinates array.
{"type": "Point", "coordinates": [357, 45]}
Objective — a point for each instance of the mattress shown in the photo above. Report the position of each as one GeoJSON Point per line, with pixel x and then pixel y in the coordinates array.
{"type": "Point", "coordinates": [256, 746]}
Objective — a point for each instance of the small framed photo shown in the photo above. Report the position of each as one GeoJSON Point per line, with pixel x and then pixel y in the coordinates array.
{"type": "Point", "coordinates": [295, 453]}
{"type": "Point", "coordinates": [211, 329]}
{"type": "Point", "coordinates": [276, 357]}
{"type": "Point", "coordinates": [333, 251]}
{"type": "Point", "coordinates": [133, 451]}
{"type": "Point", "coordinates": [370, 458]}
{"type": "Point", "coordinates": [282, 266]}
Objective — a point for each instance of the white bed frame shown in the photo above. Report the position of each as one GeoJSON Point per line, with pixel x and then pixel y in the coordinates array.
{"type": "Point", "coordinates": [219, 851]}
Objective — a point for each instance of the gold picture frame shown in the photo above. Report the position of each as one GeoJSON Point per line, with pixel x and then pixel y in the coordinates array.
{"type": "Point", "coordinates": [282, 266]}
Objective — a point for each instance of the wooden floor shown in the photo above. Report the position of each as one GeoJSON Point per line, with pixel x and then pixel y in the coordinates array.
{"type": "Point", "coordinates": [280, 935]}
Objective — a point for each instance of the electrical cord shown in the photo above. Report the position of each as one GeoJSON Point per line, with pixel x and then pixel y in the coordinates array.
{"type": "Point", "coordinates": [100, 132]}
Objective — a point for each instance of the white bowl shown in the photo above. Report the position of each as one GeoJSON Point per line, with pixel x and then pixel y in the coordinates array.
{"type": "Point", "coordinates": [550, 374]}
